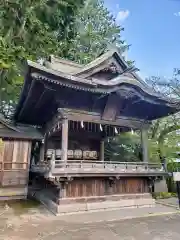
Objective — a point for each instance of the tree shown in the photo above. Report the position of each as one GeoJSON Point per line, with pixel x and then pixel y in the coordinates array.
{"type": "Point", "coordinates": [42, 24]}
{"type": "Point", "coordinates": [30, 30]}
{"type": "Point", "coordinates": [35, 29]}
{"type": "Point", "coordinates": [126, 147]}
{"type": "Point", "coordinates": [97, 30]}
{"type": "Point", "coordinates": [165, 132]}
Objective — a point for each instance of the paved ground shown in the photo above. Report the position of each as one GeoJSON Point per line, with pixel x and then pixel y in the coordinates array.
{"type": "Point", "coordinates": [106, 225]}
{"type": "Point", "coordinates": [170, 201]}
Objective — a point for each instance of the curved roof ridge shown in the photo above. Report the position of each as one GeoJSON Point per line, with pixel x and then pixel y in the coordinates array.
{"type": "Point", "coordinates": [64, 60]}
{"type": "Point", "coordinates": [96, 83]}
{"type": "Point", "coordinates": [102, 58]}
{"type": "Point", "coordinates": [121, 79]}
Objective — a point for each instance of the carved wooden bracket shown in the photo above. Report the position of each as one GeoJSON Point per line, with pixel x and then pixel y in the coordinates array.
{"type": "Point", "coordinates": [112, 67]}
{"type": "Point", "coordinates": [54, 124]}
{"type": "Point", "coordinates": [111, 181]}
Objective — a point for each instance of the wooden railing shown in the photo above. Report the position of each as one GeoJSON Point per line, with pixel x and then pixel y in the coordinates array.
{"type": "Point", "coordinates": [87, 167]}
{"type": "Point", "coordinates": [103, 167]}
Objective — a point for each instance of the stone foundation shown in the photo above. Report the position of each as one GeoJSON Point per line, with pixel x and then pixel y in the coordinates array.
{"type": "Point", "coordinates": [72, 205]}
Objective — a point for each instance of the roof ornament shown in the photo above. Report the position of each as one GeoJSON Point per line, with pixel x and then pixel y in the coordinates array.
{"type": "Point", "coordinates": [112, 68]}
{"type": "Point", "coordinates": [41, 61]}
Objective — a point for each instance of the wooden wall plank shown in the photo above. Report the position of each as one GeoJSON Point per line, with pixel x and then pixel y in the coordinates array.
{"type": "Point", "coordinates": [15, 163]}
{"type": "Point", "coordinates": [88, 187]}
{"type": "Point", "coordinates": [15, 152]}
{"type": "Point", "coordinates": [8, 151]}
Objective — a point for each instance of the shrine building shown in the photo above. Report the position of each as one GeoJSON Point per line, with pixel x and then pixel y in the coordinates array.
{"type": "Point", "coordinates": [55, 141]}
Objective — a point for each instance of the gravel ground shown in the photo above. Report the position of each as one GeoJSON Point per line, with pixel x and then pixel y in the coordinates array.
{"type": "Point", "coordinates": [39, 224]}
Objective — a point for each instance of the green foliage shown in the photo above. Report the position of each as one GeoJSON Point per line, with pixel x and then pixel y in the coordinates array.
{"type": "Point", "coordinates": [33, 29]}
{"type": "Point", "coordinates": [30, 30]}
{"type": "Point", "coordinates": [38, 26]}
{"type": "Point", "coordinates": [165, 131]}
{"type": "Point", "coordinates": [164, 195]}
{"type": "Point", "coordinates": [126, 147]}
{"type": "Point", "coordinates": [173, 166]}
{"type": "Point", "coordinates": [163, 140]}
{"type": "Point", "coordinates": [97, 31]}
{"type": "Point", "coordinates": [153, 150]}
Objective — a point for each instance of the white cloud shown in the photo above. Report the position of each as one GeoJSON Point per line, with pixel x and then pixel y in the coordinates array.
{"type": "Point", "coordinates": [177, 14]}
{"type": "Point", "coordinates": [122, 15]}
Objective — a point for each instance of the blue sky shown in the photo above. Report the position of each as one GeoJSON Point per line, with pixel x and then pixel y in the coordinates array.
{"type": "Point", "coordinates": [153, 29]}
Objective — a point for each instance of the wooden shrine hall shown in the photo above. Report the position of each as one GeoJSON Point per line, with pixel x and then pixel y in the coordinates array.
{"type": "Point", "coordinates": [73, 109]}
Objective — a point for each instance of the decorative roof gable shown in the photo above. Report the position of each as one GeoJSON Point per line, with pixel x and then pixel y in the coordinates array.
{"type": "Point", "coordinates": [107, 66]}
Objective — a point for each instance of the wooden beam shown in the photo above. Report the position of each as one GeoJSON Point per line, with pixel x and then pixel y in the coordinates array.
{"type": "Point", "coordinates": [102, 150]}
{"type": "Point", "coordinates": [94, 117]}
{"type": "Point", "coordinates": [111, 108]}
{"type": "Point", "coordinates": [56, 119]}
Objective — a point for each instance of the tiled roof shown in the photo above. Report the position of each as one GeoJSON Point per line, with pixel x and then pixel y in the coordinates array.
{"type": "Point", "coordinates": [19, 131]}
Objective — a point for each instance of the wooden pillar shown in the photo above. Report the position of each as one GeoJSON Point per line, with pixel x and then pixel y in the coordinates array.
{"type": "Point", "coordinates": [102, 150]}
{"type": "Point", "coordinates": [64, 140]}
{"type": "Point", "coordinates": [52, 162]}
{"type": "Point", "coordinates": [42, 153]}
{"type": "Point", "coordinates": [144, 142]}
{"type": "Point", "coordinates": [62, 190]}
